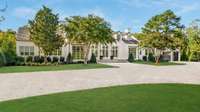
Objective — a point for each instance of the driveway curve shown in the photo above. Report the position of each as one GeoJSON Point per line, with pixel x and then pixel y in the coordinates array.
{"type": "Point", "coordinates": [20, 85]}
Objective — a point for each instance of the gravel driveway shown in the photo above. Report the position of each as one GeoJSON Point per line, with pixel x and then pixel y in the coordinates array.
{"type": "Point", "coordinates": [19, 85]}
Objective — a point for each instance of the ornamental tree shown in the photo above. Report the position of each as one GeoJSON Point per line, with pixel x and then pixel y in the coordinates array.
{"type": "Point", "coordinates": [163, 31]}
{"type": "Point", "coordinates": [44, 33]}
{"type": "Point", "coordinates": [87, 31]}
{"type": "Point", "coordinates": [193, 33]}
{"type": "Point", "coordinates": [7, 48]}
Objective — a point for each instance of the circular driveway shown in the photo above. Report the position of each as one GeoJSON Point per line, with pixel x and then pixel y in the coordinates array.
{"type": "Point", "coordinates": [19, 85]}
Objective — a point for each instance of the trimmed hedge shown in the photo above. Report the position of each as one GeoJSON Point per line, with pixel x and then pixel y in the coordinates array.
{"type": "Point", "coordinates": [130, 58]}
{"type": "Point", "coordinates": [29, 59]}
{"type": "Point", "coordinates": [62, 59]}
{"type": "Point", "coordinates": [93, 58]}
{"type": "Point", "coordinates": [41, 60]}
{"type": "Point", "coordinates": [195, 56]}
{"type": "Point", "coordinates": [55, 59]}
{"type": "Point", "coordinates": [19, 61]}
{"type": "Point", "coordinates": [151, 57]}
{"type": "Point", "coordinates": [49, 60]}
{"type": "Point", "coordinates": [144, 58]}
{"type": "Point", "coordinates": [36, 59]}
{"type": "Point", "coordinates": [69, 59]}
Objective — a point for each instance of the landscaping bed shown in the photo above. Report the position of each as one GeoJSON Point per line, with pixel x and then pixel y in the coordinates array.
{"type": "Point", "coordinates": [18, 69]}
{"type": "Point", "coordinates": [164, 63]}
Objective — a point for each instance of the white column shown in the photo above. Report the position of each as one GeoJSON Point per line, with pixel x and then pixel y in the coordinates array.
{"type": "Point", "coordinates": [179, 55]}
{"type": "Point", "coordinates": [147, 50]}
{"type": "Point", "coordinates": [98, 51]}
{"type": "Point", "coordinates": [172, 56]}
{"type": "Point", "coordinates": [109, 50]}
{"type": "Point", "coordinates": [137, 53]}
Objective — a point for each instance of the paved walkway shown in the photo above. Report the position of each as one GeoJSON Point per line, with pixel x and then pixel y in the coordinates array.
{"type": "Point", "coordinates": [21, 85]}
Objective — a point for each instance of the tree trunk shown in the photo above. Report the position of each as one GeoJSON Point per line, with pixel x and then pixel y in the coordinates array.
{"type": "Point", "coordinates": [86, 51]}
{"type": "Point", "coordinates": [157, 59]}
{"type": "Point", "coordinates": [158, 55]}
{"type": "Point", "coordinates": [45, 59]}
{"type": "Point", "coordinates": [39, 51]}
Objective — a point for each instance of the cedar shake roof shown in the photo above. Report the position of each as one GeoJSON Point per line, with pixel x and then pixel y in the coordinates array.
{"type": "Point", "coordinates": [127, 37]}
{"type": "Point", "coordinates": [23, 34]}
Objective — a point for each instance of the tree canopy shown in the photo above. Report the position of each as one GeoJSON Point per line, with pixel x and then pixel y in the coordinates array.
{"type": "Point", "coordinates": [193, 33]}
{"type": "Point", "coordinates": [44, 31]}
{"type": "Point", "coordinates": [7, 48]}
{"type": "Point", "coordinates": [88, 30]}
{"type": "Point", "coordinates": [163, 31]}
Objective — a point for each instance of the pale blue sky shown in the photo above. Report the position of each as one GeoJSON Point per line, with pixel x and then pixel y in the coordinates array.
{"type": "Point", "coordinates": [121, 14]}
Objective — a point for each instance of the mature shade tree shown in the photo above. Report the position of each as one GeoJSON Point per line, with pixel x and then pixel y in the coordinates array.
{"type": "Point", "coordinates": [7, 48]}
{"type": "Point", "coordinates": [193, 33]}
{"type": "Point", "coordinates": [163, 31]}
{"type": "Point", "coordinates": [89, 30]}
{"type": "Point", "coordinates": [44, 31]}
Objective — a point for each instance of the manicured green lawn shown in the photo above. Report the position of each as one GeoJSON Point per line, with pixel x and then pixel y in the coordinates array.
{"type": "Point", "coordinates": [17, 69]}
{"type": "Point", "coordinates": [160, 64]}
{"type": "Point", "coordinates": [136, 98]}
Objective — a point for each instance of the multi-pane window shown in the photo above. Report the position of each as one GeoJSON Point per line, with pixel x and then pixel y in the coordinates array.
{"type": "Point", "coordinates": [26, 50]}
{"type": "Point", "coordinates": [57, 52]}
{"type": "Point", "coordinates": [132, 51]}
{"type": "Point", "coordinates": [95, 50]}
{"type": "Point", "coordinates": [77, 52]}
{"type": "Point", "coordinates": [21, 50]}
{"type": "Point", "coordinates": [114, 51]}
{"type": "Point", "coordinates": [146, 52]}
{"type": "Point", "coordinates": [104, 51]}
{"type": "Point", "coordinates": [31, 52]}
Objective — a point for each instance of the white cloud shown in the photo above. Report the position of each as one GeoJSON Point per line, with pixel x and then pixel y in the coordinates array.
{"type": "Point", "coordinates": [24, 12]}
{"type": "Point", "coordinates": [188, 8]}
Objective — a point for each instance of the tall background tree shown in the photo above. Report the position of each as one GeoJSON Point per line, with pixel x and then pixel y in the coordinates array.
{"type": "Point", "coordinates": [44, 31]}
{"type": "Point", "coordinates": [163, 31]}
{"type": "Point", "coordinates": [193, 33]}
{"type": "Point", "coordinates": [7, 48]}
{"type": "Point", "coordinates": [88, 31]}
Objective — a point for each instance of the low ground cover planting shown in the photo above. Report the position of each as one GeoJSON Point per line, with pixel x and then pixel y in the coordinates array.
{"type": "Point", "coordinates": [18, 69]}
{"type": "Point", "coordinates": [133, 98]}
{"type": "Point", "coordinates": [164, 63]}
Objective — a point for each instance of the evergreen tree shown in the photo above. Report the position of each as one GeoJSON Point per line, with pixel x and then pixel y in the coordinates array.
{"type": "Point", "coordinates": [93, 58]}
{"type": "Point", "coordinates": [69, 58]}
{"type": "Point", "coordinates": [44, 31]}
{"type": "Point", "coordinates": [7, 48]}
{"type": "Point", "coordinates": [163, 32]}
{"type": "Point", "coordinates": [130, 58]}
{"type": "Point", "coordinates": [193, 33]}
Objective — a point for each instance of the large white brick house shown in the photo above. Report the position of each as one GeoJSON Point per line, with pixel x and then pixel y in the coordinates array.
{"type": "Point", "coordinates": [125, 43]}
